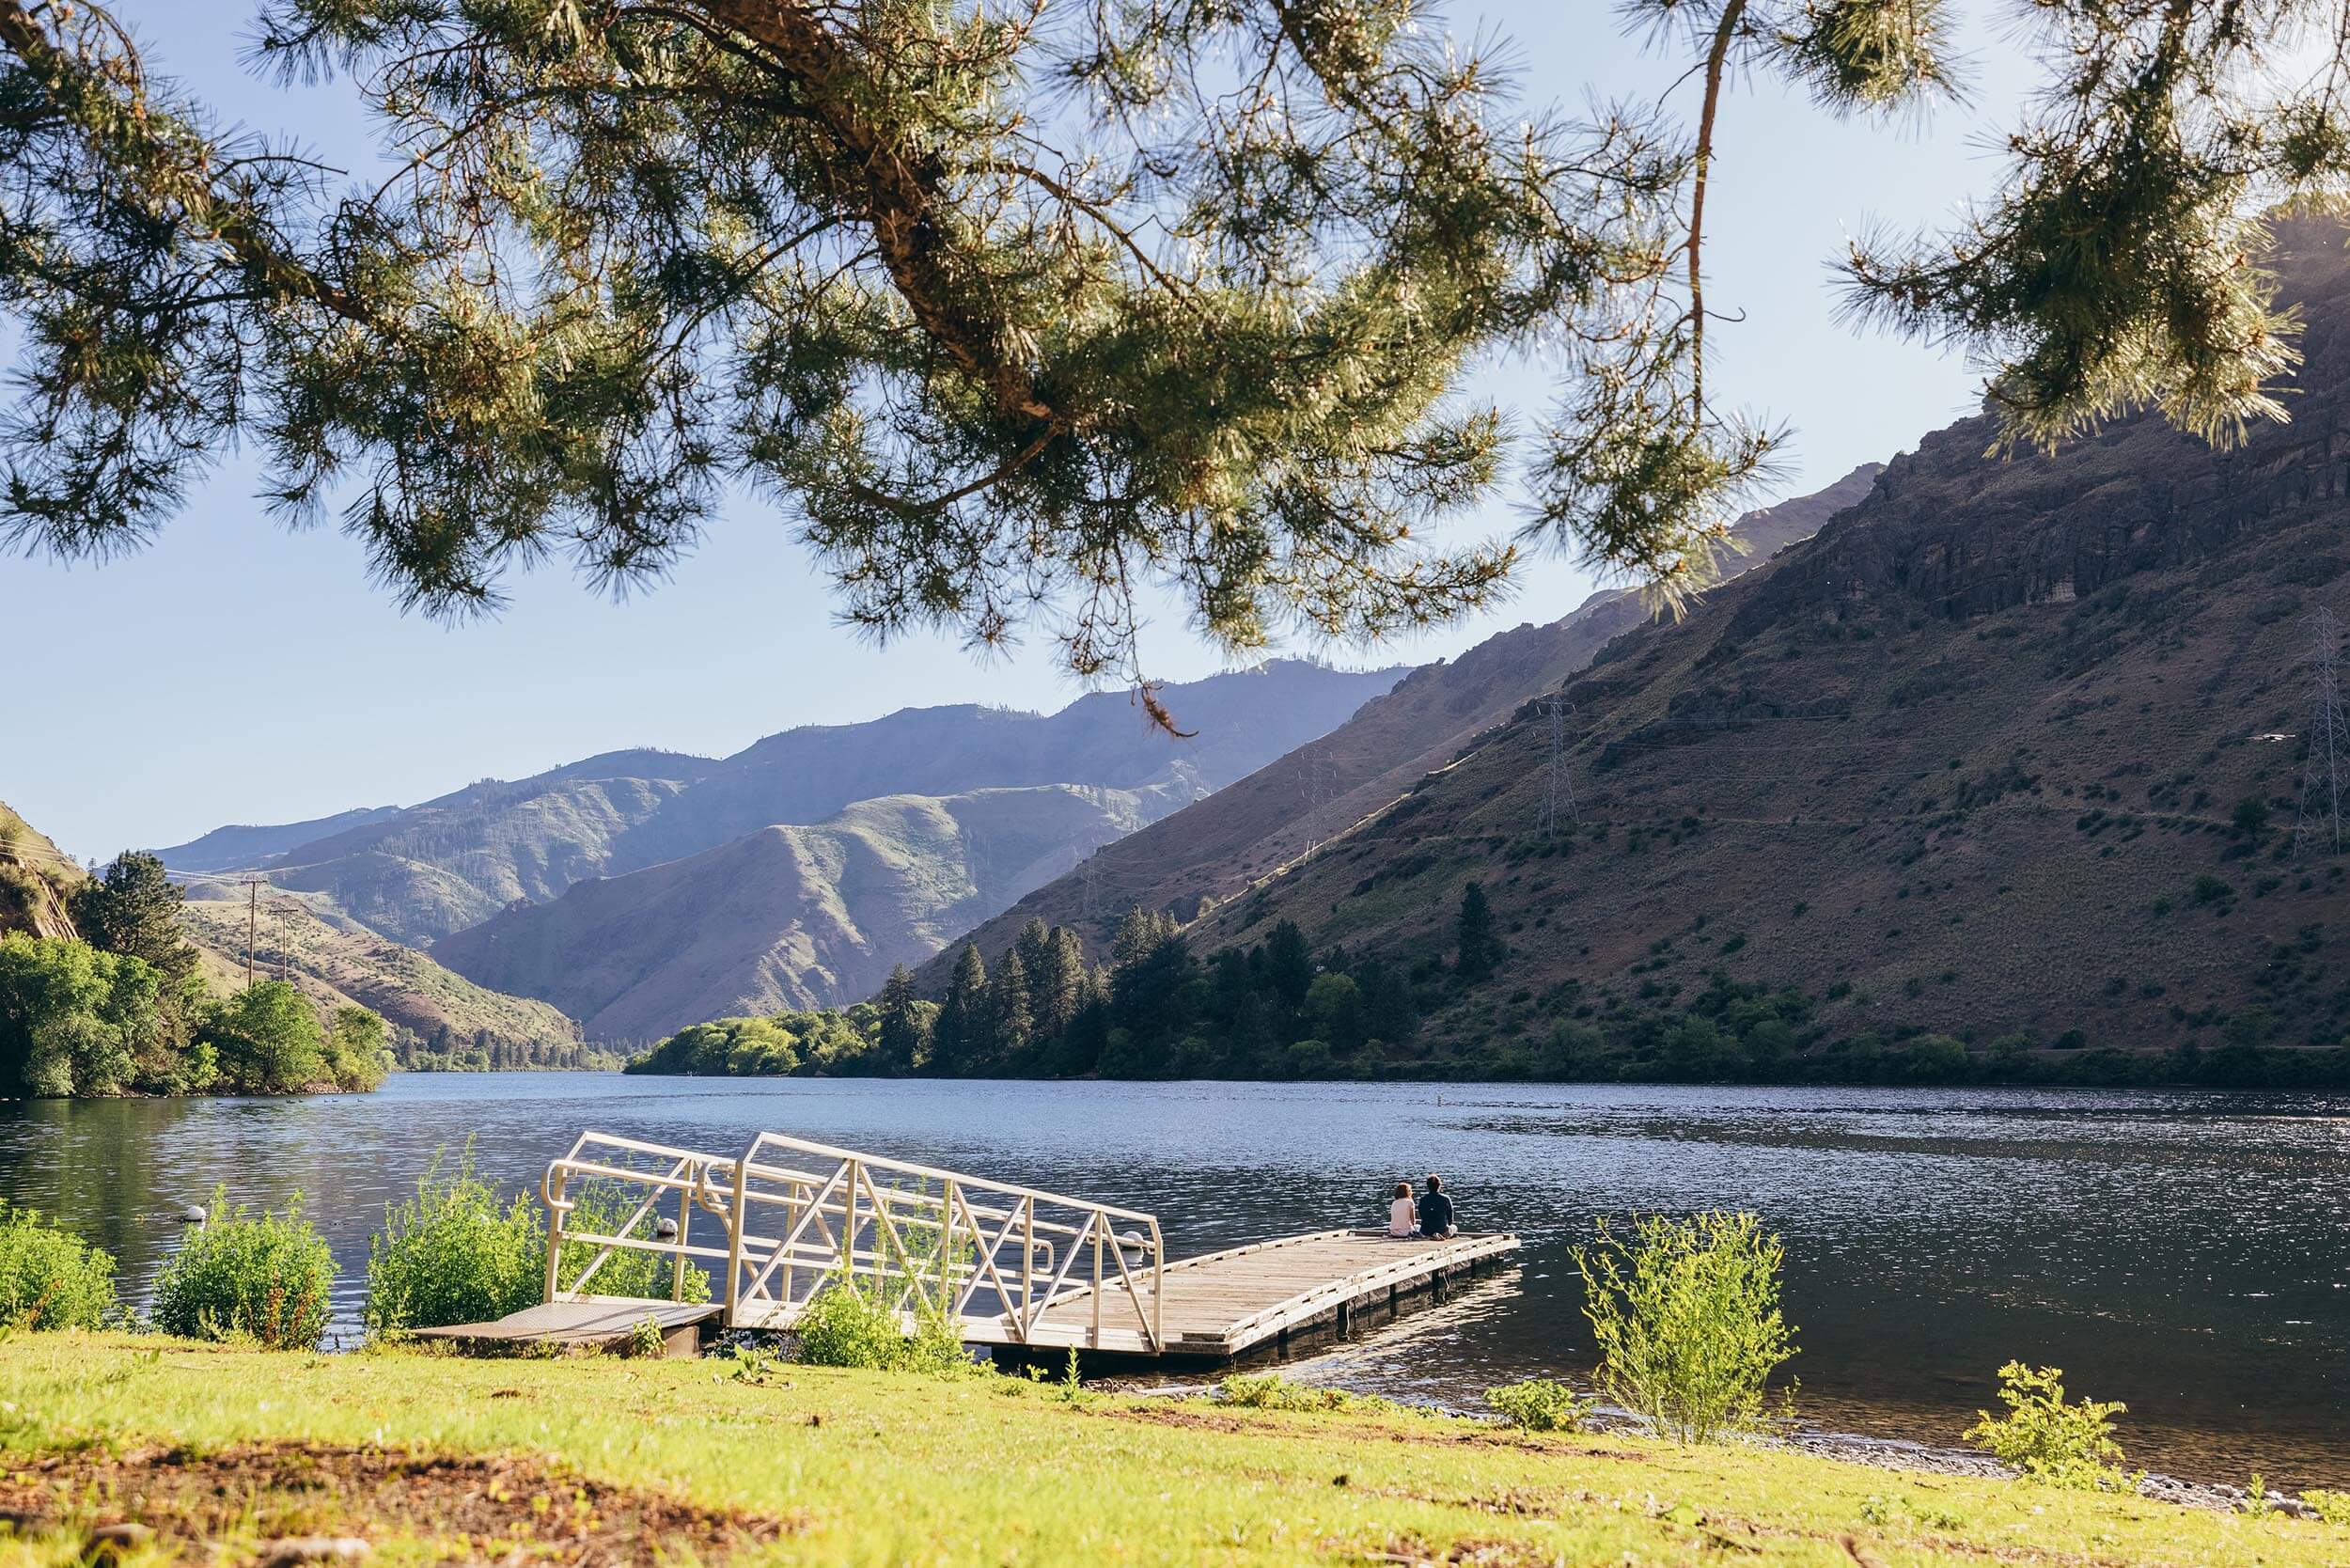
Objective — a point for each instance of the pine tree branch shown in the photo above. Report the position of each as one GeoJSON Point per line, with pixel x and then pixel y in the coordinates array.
{"type": "Point", "coordinates": [174, 168]}
{"type": "Point", "coordinates": [898, 192]}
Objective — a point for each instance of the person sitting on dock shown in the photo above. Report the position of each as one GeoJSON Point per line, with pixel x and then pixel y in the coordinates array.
{"type": "Point", "coordinates": [1435, 1210]}
{"type": "Point", "coordinates": [1402, 1218]}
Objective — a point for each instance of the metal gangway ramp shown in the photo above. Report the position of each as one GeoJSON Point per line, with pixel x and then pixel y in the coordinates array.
{"type": "Point", "coordinates": [1007, 1265]}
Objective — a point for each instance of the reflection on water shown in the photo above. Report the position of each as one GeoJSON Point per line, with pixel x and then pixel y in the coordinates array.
{"type": "Point", "coordinates": [2188, 1253]}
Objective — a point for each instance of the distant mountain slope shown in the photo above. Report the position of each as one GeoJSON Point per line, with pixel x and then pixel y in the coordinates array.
{"type": "Point", "coordinates": [425, 872]}
{"type": "Point", "coordinates": [333, 960]}
{"type": "Point", "coordinates": [791, 917]}
{"type": "Point", "coordinates": [2007, 746]}
{"type": "Point", "coordinates": [229, 848]}
{"type": "Point", "coordinates": [1213, 849]}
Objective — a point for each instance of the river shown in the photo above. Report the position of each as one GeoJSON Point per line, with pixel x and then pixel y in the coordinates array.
{"type": "Point", "coordinates": [2188, 1253]}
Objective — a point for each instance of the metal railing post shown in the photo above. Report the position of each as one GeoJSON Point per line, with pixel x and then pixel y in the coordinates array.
{"type": "Point", "coordinates": [736, 1224]}
{"type": "Point", "coordinates": [684, 1226]}
{"type": "Point", "coordinates": [848, 1228]}
{"type": "Point", "coordinates": [1027, 1260]}
{"type": "Point", "coordinates": [1097, 1228]}
{"type": "Point", "coordinates": [553, 1195]}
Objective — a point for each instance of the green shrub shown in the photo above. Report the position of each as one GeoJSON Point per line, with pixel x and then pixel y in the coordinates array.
{"type": "Point", "coordinates": [50, 1279]}
{"type": "Point", "coordinates": [258, 1277]}
{"type": "Point", "coordinates": [1539, 1404]}
{"type": "Point", "coordinates": [846, 1326]}
{"type": "Point", "coordinates": [2332, 1507]}
{"type": "Point", "coordinates": [2064, 1444]}
{"type": "Point", "coordinates": [450, 1254]}
{"type": "Point", "coordinates": [1272, 1392]}
{"type": "Point", "coordinates": [1685, 1315]}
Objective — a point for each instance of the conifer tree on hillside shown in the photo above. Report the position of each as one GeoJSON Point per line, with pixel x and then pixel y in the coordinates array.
{"type": "Point", "coordinates": [1009, 1020]}
{"type": "Point", "coordinates": [1020, 312]}
{"type": "Point", "coordinates": [1477, 945]}
{"type": "Point", "coordinates": [132, 907]}
{"type": "Point", "coordinates": [961, 1034]}
{"type": "Point", "coordinates": [904, 1033]}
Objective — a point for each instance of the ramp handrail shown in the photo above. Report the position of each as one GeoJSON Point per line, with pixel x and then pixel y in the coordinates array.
{"type": "Point", "coordinates": [932, 1242]}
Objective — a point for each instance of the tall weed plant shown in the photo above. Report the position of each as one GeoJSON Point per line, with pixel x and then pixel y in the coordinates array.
{"type": "Point", "coordinates": [1686, 1317]}
{"type": "Point", "coordinates": [603, 1207]}
{"type": "Point", "coordinates": [846, 1325]}
{"type": "Point", "coordinates": [2063, 1445]}
{"type": "Point", "coordinates": [451, 1253]}
{"type": "Point", "coordinates": [50, 1277]}
{"type": "Point", "coordinates": [264, 1277]}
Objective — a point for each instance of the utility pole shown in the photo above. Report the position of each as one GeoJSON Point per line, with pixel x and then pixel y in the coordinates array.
{"type": "Point", "coordinates": [278, 912]}
{"type": "Point", "coordinates": [252, 924]}
{"type": "Point", "coordinates": [2329, 740]}
{"type": "Point", "coordinates": [1558, 790]}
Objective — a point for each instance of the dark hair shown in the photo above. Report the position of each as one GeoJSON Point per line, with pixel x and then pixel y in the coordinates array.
{"type": "Point", "coordinates": [1403, 1189]}
{"type": "Point", "coordinates": [1436, 1183]}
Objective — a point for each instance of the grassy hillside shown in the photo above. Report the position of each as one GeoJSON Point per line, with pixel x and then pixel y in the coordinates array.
{"type": "Point", "coordinates": [434, 1017]}
{"type": "Point", "coordinates": [223, 1452]}
{"type": "Point", "coordinates": [1217, 847]}
{"type": "Point", "coordinates": [2009, 749]}
{"type": "Point", "coordinates": [791, 917]}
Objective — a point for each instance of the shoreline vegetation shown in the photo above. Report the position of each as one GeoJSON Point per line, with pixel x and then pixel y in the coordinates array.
{"type": "Point", "coordinates": [1277, 1010]}
{"type": "Point", "coordinates": [105, 996]}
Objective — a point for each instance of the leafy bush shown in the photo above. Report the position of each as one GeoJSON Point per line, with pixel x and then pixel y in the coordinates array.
{"type": "Point", "coordinates": [2332, 1507]}
{"type": "Point", "coordinates": [1686, 1314]}
{"type": "Point", "coordinates": [259, 1277]}
{"type": "Point", "coordinates": [450, 1254]}
{"type": "Point", "coordinates": [2064, 1444]}
{"type": "Point", "coordinates": [846, 1326]}
{"type": "Point", "coordinates": [1272, 1392]}
{"type": "Point", "coordinates": [50, 1278]}
{"type": "Point", "coordinates": [1539, 1404]}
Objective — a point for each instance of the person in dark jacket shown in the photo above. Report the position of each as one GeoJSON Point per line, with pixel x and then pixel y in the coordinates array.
{"type": "Point", "coordinates": [1435, 1210]}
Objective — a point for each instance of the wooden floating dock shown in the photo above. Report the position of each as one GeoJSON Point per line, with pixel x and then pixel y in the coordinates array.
{"type": "Point", "coordinates": [604, 1324]}
{"type": "Point", "coordinates": [1225, 1305]}
{"type": "Point", "coordinates": [1007, 1266]}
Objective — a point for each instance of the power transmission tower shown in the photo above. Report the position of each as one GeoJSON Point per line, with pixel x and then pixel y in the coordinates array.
{"type": "Point", "coordinates": [1559, 792]}
{"type": "Point", "coordinates": [2329, 740]}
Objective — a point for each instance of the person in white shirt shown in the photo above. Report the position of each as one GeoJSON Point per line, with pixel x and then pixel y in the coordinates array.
{"type": "Point", "coordinates": [1403, 1213]}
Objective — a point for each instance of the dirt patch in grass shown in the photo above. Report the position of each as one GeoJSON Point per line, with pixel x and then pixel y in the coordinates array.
{"type": "Point", "coordinates": [1465, 1553]}
{"type": "Point", "coordinates": [239, 1500]}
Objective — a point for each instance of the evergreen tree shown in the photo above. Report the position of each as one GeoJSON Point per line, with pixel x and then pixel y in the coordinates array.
{"type": "Point", "coordinates": [904, 1036]}
{"type": "Point", "coordinates": [1478, 945]}
{"type": "Point", "coordinates": [962, 1035]}
{"type": "Point", "coordinates": [133, 908]}
{"type": "Point", "coordinates": [1008, 1007]}
{"type": "Point", "coordinates": [999, 354]}
{"type": "Point", "coordinates": [1057, 982]}
{"type": "Point", "coordinates": [1289, 966]}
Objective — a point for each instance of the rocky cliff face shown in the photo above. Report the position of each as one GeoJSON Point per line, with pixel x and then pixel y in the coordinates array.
{"type": "Point", "coordinates": [34, 877]}
{"type": "Point", "coordinates": [2008, 745]}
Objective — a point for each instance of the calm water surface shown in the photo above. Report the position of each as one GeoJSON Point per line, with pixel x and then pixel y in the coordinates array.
{"type": "Point", "coordinates": [2188, 1253]}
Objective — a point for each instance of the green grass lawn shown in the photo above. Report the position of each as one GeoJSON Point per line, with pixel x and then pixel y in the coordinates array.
{"type": "Point", "coordinates": [432, 1458]}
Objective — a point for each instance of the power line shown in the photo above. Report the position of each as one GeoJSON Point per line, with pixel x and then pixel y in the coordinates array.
{"type": "Point", "coordinates": [2329, 739]}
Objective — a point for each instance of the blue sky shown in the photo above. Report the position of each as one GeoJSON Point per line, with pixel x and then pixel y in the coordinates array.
{"type": "Point", "coordinates": [246, 673]}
